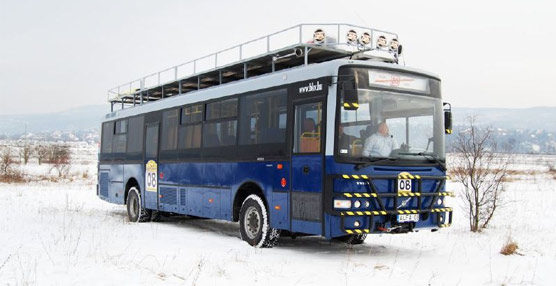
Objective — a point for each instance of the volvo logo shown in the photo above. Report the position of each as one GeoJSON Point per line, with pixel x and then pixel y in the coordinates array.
{"type": "Point", "coordinates": [404, 203]}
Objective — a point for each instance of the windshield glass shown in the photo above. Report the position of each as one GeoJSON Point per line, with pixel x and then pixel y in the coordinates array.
{"type": "Point", "coordinates": [391, 125]}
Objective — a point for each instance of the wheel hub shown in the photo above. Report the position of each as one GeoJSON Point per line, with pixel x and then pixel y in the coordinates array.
{"type": "Point", "coordinates": [252, 222]}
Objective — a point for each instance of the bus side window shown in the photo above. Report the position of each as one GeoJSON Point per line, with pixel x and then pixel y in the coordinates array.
{"type": "Point", "coordinates": [308, 118]}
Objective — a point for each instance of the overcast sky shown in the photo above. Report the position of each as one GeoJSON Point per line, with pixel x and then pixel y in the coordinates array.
{"type": "Point", "coordinates": [55, 55]}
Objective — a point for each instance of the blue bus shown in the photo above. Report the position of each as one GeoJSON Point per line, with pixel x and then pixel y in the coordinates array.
{"type": "Point", "coordinates": [329, 135]}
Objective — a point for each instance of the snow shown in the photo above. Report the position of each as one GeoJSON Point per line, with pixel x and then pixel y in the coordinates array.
{"type": "Point", "coordinates": [60, 233]}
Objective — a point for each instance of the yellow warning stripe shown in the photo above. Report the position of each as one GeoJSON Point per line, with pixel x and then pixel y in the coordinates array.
{"type": "Point", "coordinates": [446, 194]}
{"type": "Point", "coordinates": [354, 213]}
{"type": "Point", "coordinates": [408, 194]}
{"type": "Point", "coordinates": [408, 211]}
{"type": "Point", "coordinates": [445, 225]}
{"type": "Point", "coordinates": [349, 105]}
{"type": "Point", "coordinates": [440, 210]}
{"type": "Point", "coordinates": [361, 195]}
{"type": "Point", "coordinates": [352, 231]}
{"type": "Point", "coordinates": [356, 177]}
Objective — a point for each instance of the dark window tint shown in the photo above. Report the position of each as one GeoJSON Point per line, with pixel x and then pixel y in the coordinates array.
{"type": "Point", "coordinates": [170, 122]}
{"type": "Point", "coordinates": [263, 118]}
{"type": "Point", "coordinates": [107, 133]}
{"type": "Point", "coordinates": [121, 126]}
{"type": "Point", "coordinates": [120, 143]}
{"type": "Point", "coordinates": [222, 109]}
{"type": "Point", "coordinates": [190, 137]}
{"type": "Point", "coordinates": [220, 133]}
{"type": "Point", "coordinates": [135, 135]}
{"type": "Point", "coordinates": [151, 142]}
{"type": "Point", "coordinates": [192, 114]}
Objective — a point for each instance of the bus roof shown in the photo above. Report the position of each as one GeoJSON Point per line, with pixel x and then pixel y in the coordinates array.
{"type": "Point", "coordinates": [299, 45]}
{"type": "Point", "coordinates": [278, 78]}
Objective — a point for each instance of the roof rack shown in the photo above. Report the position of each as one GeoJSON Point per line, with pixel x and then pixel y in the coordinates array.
{"type": "Point", "coordinates": [299, 45]}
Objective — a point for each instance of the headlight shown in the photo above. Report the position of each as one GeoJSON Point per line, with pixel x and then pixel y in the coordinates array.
{"type": "Point", "coordinates": [356, 223]}
{"type": "Point", "coordinates": [357, 204]}
{"type": "Point", "coordinates": [342, 204]}
{"type": "Point", "coordinates": [439, 202]}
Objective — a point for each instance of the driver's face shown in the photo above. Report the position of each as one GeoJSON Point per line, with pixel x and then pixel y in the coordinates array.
{"type": "Point", "coordinates": [383, 129]}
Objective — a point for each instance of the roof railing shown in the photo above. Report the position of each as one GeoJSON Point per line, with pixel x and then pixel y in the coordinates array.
{"type": "Point", "coordinates": [344, 38]}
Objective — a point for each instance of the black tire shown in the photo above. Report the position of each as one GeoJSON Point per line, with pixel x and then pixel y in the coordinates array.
{"type": "Point", "coordinates": [353, 239]}
{"type": "Point", "coordinates": [254, 224]}
{"type": "Point", "coordinates": [135, 211]}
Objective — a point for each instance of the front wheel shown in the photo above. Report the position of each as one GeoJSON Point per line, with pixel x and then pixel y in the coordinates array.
{"type": "Point", "coordinates": [254, 225]}
{"type": "Point", "coordinates": [353, 239]}
{"type": "Point", "coordinates": [136, 212]}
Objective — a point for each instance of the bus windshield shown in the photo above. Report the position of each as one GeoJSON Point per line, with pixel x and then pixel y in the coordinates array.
{"type": "Point", "coordinates": [391, 125]}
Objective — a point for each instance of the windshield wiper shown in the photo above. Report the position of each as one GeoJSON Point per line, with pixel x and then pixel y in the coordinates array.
{"type": "Point", "coordinates": [371, 161]}
{"type": "Point", "coordinates": [430, 157]}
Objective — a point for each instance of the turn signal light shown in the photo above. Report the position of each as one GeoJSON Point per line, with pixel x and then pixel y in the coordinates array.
{"type": "Point", "coordinates": [279, 166]}
{"type": "Point", "coordinates": [283, 182]}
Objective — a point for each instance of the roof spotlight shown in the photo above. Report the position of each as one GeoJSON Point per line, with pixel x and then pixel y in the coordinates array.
{"type": "Point", "coordinates": [319, 36]}
{"type": "Point", "coordinates": [365, 39]}
{"type": "Point", "coordinates": [381, 42]}
{"type": "Point", "coordinates": [394, 45]}
{"type": "Point", "coordinates": [351, 37]}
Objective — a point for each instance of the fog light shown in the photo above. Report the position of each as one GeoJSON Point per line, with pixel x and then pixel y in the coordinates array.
{"type": "Point", "coordinates": [439, 201]}
{"type": "Point", "coordinates": [357, 204]}
{"type": "Point", "coordinates": [441, 218]}
{"type": "Point", "coordinates": [367, 204]}
{"type": "Point", "coordinates": [342, 204]}
{"type": "Point", "coordinates": [356, 223]}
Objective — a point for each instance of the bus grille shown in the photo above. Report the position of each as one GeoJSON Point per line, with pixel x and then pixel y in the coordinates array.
{"type": "Point", "coordinates": [104, 182]}
{"type": "Point", "coordinates": [182, 197]}
{"type": "Point", "coordinates": [168, 196]}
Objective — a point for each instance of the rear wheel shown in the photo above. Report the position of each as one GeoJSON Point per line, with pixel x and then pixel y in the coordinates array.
{"type": "Point", "coordinates": [254, 225]}
{"type": "Point", "coordinates": [135, 212]}
{"type": "Point", "coordinates": [353, 239]}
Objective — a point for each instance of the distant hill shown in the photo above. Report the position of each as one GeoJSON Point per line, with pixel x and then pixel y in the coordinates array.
{"type": "Point", "coordinates": [534, 118]}
{"type": "Point", "coordinates": [89, 117]}
{"type": "Point", "coordinates": [79, 118]}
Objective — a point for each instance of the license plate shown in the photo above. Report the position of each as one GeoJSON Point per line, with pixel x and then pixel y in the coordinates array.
{"type": "Point", "coordinates": [404, 185]}
{"type": "Point", "coordinates": [408, 218]}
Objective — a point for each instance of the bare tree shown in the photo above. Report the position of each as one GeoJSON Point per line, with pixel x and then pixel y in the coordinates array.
{"type": "Point", "coordinates": [59, 157]}
{"type": "Point", "coordinates": [6, 161]}
{"type": "Point", "coordinates": [25, 153]}
{"type": "Point", "coordinates": [482, 170]}
{"type": "Point", "coordinates": [41, 153]}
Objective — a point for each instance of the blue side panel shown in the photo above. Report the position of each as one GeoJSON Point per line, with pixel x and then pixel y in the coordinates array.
{"type": "Point", "coordinates": [211, 204]}
{"type": "Point", "coordinates": [195, 201]}
{"type": "Point", "coordinates": [307, 226]}
{"type": "Point", "coordinates": [280, 218]}
{"type": "Point", "coordinates": [111, 183]}
{"type": "Point", "coordinates": [307, 182]}
{"type": "Point", "coordinates": [225, 204]}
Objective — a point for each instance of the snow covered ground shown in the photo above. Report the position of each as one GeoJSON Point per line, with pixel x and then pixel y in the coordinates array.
{"type": "Point", "coordinates": [60, 233]}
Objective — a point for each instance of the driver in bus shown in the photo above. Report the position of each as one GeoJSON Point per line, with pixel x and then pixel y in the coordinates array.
{"type": "Point", "coordinates": [381, 143]}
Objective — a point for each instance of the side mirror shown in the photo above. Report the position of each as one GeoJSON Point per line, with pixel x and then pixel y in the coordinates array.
{"type": "Point", "coordinates": [448, 118]}
{"type": "Point", "coordinates": [350, 96]}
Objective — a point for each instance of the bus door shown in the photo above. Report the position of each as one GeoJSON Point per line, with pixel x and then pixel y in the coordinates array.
{"type": "Point", "coordinates": [151, 165]}
{"type": "Point", "coordinates": [307, 166]}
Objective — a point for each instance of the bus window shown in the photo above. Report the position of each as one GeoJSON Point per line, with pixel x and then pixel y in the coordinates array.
{"type": "Point", "coordinates": [220, 133]}
{"type": "Point", "coordinates": [135, 135]}
{"type": "Point", "coordinates": [107, 133]}
{"type": "Point", "coordinates": [307, 132]}
{"type": "Point", "coordinates": [170, 122]}
{"type": "Point", "coordinates": [263, 118]}
{"type": "Point", "coordinates": [120, 137]}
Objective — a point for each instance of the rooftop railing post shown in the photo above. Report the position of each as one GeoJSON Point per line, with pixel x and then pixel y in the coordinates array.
{"type": "Point", "coordinates": [179, 86]}
{"type": "Point", "coordinates": [158, 78]}
{"type": "Point", "coordinates": [300, 34]}
{"type": "Point", "coordinates": [240, 52]}
{"type": "Point", "coordinates": [267, 44]}
{"type": "Point", "coordinates": [175, 73]}
{"type": "Point", "coordinates": [215, 60]}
